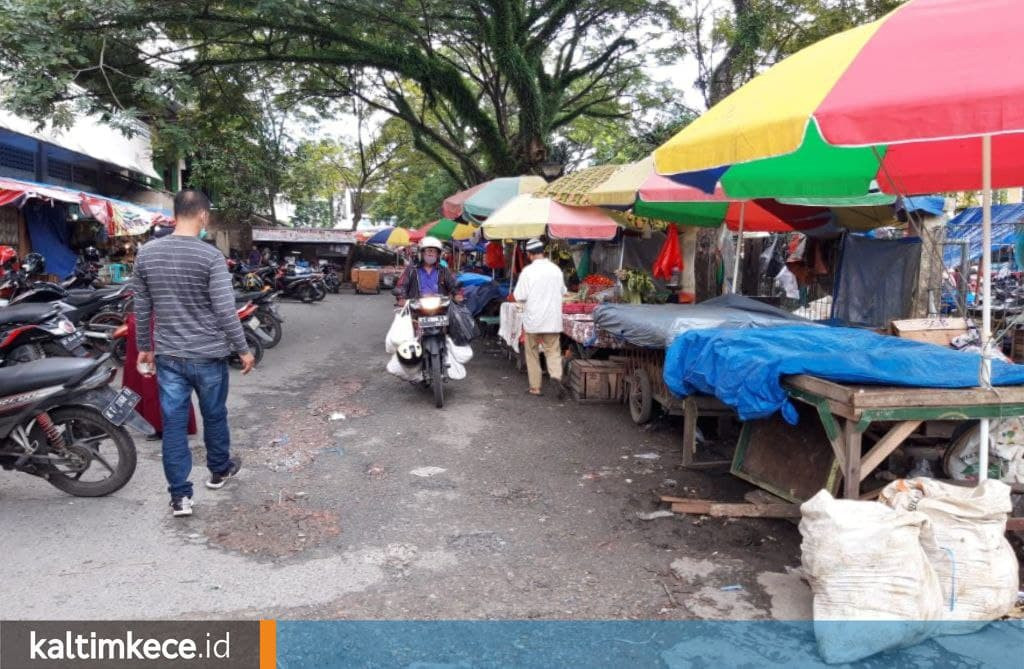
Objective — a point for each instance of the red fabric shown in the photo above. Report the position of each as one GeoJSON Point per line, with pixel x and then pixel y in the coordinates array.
{"type": "Point", "coordinates": [149, 405]}
{"type": "Point", "coordinates": [670, 257]}
{"type": "Point", "coordinates": [494, 256]}
{"type": "Point", "coordinates": [929, 167]}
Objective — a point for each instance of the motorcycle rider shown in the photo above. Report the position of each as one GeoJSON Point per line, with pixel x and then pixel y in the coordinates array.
{"type": "Point", "coordinates": [427, 277]}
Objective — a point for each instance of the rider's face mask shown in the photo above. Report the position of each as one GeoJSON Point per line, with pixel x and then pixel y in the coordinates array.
{"type": "Point", "coordinates": [430, 257]}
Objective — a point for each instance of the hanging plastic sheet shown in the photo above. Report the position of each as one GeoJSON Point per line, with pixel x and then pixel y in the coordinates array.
{"type": "Point", "coordinates": [876, 280]}
{"type": "Point", "coordinates": [50, 236]}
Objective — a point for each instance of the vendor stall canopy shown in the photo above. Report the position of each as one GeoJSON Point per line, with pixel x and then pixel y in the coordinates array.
{"type": "Point", "coordinates": [120, 218]}
{"type": "Point", "coordinates": [1007, 223]}
{"type": "Point", "coordinates": [902, 102]}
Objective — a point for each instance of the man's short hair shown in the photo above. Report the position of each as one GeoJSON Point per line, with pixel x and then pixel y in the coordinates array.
{"type": "Point", "coordinates": [190, 203]}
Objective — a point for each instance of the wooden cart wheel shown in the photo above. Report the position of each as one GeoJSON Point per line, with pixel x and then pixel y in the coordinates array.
{"type": "Point", "coordinates": [641, 397]}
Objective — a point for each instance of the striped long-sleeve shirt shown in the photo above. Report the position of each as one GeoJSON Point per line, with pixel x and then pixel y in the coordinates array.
{"type": "Point", "coordinates": [184, 283]}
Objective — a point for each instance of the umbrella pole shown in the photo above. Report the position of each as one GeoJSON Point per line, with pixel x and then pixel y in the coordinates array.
{"type": "Point", "coordinates": [622, 251]}
{"type": "Point", "coordinates": [985, 374]}
{"type": "Point", "coordinates": [739, 250]}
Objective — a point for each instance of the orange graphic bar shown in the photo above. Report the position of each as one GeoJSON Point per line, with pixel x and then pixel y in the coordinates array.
{"type": "Point", "coordinates": [268, 644]}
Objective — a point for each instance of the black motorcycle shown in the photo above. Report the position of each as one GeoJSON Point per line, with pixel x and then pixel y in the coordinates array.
{"type": "Point", "coordinates": [61, 421]}
{"type": "Point", "coordinates": [267, 314]}
{"type": "Point", "coordinates": [430, 317]}
{"type": "Point", "coordinates": [30, 332]}
{"type": "Point", "coordinates": [331, 280]}
{"type": "Point", "coordinates": [297, 286]}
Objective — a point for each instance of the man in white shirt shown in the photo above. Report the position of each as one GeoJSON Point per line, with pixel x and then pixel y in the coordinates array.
{"type": "Point", "coordinates": [540, 290]}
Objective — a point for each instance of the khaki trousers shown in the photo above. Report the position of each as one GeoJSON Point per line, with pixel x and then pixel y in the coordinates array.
{"type": "Point", "coordinates": [552, 345]}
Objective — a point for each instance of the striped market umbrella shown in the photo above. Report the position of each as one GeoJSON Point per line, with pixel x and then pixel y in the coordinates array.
{"type": "Point", "coordinates": [527, 216]}
{"type": "Point", "coordinates": [928, 98]}
{"type": "Point", "coordinates": [482, 200]}
{"type": "Point", "coordinates": [661, 198]}
{"type": "Point", "coordinates": [903, 102]}
{"type": "Point", "coordinates": [390, 237]}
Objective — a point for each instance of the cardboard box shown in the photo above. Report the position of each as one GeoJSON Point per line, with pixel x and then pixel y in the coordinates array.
{"type": "Point", "coordinates": [940, 331]}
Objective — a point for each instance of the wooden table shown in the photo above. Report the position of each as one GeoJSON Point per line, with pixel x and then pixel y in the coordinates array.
{"type": "Point", "coordinates": [846, 412]}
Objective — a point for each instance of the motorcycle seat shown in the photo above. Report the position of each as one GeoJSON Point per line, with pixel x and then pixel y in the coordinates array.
{"type": "Point", "coordinates": [242, 298]}
{"type": "Point", "coordinates": [41, 374]}
{"type": "Point", "coordinates": [78, 298]}
{"type": "Point", "coordinates": [26, 313]}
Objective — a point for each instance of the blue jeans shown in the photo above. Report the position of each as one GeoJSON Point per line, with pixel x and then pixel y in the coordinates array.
{"type": "Point", "coordinates": [176, 379]}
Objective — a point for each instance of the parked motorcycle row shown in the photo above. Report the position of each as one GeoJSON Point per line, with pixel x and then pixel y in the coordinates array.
{"type": "Point", "coordinates": [291, 281]}
{"type": "Point", "coordinates": [60, 344]}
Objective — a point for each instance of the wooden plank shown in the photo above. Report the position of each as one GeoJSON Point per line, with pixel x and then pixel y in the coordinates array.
{"type": "Point", "coordinates": [886, 445]}
{"type": "Point", "coordinates": [689, 431]}
{"type": "Point", "coordinates": [827, 389]}
{"type": "Point", "coordinates": [851, 473]}
{"type": "Point", "coordinates": [705, 507]}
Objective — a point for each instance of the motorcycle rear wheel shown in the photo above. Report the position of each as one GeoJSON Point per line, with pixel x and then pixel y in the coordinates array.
{"type": "Point", "coordinates": [77, 423]}
{"type": "Point", "coordinates": [306, 294]}
{"type": "Point", "coordinates": [319, 292]}
{"type": "Point", "coordinates": [437, 379]}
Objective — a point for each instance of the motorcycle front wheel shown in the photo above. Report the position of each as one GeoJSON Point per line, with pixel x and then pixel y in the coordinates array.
{"type": "Point", "coordinates": [437, 379]}
{"type": "Point", "coordinates": [93, 472]}
{"type": "Point", "coordinates": [319, 292]}
{"type": "Point", "coordinates": [306, 294]}
{"type": "Point", "coordinates": [272, 328]}
{"type": "Point", "coordinates": [255, 347]}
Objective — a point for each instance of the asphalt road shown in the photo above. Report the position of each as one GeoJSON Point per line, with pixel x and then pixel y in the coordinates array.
{"type": "Point", "coordinates": [359, 499]}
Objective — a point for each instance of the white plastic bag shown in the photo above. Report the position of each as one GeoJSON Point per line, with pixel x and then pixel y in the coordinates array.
{"type": "Point", "coordinates": [460, 354]}
{"type": "Point", "coordinates": [976, 566]}
{"type": "Point", "coordinates": [457, 357]}
{"type": "Point", "coordinates": [401, 371]}
{"type": "Point", "coordinates": [865, 562]}
{"type": "Point", "coordinates": [401, 330]}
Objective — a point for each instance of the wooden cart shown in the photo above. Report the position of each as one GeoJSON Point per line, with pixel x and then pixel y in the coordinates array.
{"type": "Point", "coordinates": [847, 411]}
{"type": "Point", "coordinates": [366, 280]}
{"type": "Point", "coordinates": [645, 387]}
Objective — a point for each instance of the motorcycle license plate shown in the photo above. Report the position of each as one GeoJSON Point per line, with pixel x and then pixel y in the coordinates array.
{"type": "Point", "coordinates": [74, 340]}
{"type": "Point", "coordinates": [254, 323]}
{"type": "Point", "coordinates": [121, 407]}
{"type": "Point", "coordinates": [433, 321]}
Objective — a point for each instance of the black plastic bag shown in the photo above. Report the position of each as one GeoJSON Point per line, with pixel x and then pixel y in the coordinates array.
{"type": "Point", "coordinates": [461, 326]}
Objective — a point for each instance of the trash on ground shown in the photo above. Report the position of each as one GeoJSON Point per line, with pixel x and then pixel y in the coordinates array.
{"type": "Point", "coordinates": [425, 472]}
{"type": "Point", "coordinates": [653, 515]}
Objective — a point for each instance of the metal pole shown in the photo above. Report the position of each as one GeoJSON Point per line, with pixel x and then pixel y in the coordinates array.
{"type": "Point", "coordinates": [985, 374]}
{"type": "Point", "coordinates": [622, 251]}
{"type": "Point", "coordinates": [739, 250]}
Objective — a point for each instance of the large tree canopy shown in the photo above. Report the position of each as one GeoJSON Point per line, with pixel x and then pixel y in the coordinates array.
{"type": "Point", "coordinates": [484, 85]}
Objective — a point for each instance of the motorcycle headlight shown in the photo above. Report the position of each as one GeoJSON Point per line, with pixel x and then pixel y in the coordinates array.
{"type": "Point", "coordinates": [431, 303]}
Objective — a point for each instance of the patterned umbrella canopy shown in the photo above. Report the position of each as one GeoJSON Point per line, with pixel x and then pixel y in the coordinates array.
{"type": "Point", "coordinates": [612, 186]}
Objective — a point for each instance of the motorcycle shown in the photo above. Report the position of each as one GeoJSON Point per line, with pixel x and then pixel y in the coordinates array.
{"type": "Point", "coordinates": [61, 421]}
{"type": "Point", "coordinates": [87, 275]}
{"type": "Point", "coordinates": [297, 286]}
{"type": "Point", "coordinates": [254, 336]}
{"type": "Point", "coordinates": [268, 314]}
{"type": "Point", "coordinates": [31, 332]}
{"type": "Point", "coordinates": [331, 280]}
{"type": "Point", "coordinates": [430, 318]}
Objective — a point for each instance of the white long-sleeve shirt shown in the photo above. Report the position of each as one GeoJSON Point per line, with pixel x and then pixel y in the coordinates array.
{"type": "Point", "coordinates": [540, 290]}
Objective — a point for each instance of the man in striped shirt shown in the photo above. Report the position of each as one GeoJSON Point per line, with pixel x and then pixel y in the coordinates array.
{"type": "Point", "coordinates": [183, 283]}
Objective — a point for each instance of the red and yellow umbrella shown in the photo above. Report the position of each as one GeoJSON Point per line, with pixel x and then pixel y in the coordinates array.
{"type": "Point", "coordinates": [903, 102]}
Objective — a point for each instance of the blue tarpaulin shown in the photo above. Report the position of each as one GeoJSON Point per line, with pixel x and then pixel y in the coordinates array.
{"type": "Point", "coordinates": [50, 236]}
{"type": "Point", "coordinates": [744, 368]}
{"type": "Point", "coordinates": [967, 225]}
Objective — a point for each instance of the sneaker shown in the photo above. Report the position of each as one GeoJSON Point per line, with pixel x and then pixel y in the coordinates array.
{"type": "Point", "coordinates": [217, 481]}
{"type": "Point", "coordinates": [181, 506]}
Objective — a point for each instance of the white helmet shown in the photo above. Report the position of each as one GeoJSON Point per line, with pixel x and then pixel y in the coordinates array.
{"type": "Point", "coordinates": [431, 243]}
{"type": "Point", "coordinates": [410, 353]}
